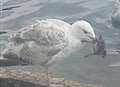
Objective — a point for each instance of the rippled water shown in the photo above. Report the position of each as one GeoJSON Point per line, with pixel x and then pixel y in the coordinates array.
{"type": "Point", "coordinates": [98, 12]}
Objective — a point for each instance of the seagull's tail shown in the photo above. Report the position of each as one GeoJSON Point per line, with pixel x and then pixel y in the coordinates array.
{"type": "Point", "coordinates": [7, 62]}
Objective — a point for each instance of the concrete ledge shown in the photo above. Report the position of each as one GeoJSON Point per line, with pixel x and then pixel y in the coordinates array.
{"type": "Point", "coordinates": [21, 78]}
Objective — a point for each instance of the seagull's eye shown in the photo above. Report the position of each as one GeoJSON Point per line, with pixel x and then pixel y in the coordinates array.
{"type": "Point", "coordinates": [85, 31]}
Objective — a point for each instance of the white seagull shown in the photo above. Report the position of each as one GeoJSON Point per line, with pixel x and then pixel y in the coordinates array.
{"type": "Point", "coordinates": [116, 13]}
{"type": "Point", "coordinates": [48, 40]}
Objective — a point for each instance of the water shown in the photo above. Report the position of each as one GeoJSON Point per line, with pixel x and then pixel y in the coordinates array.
{"type": "Point", "coordinates": [93, 69]}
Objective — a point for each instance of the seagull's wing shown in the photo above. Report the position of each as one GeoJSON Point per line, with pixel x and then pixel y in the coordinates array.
{"type": "Point", "coordinates": [45, 33]}
{"type": "Point", "coordinates": [48, 37]}
{"type": "Point", "coordinates": [43, 40]}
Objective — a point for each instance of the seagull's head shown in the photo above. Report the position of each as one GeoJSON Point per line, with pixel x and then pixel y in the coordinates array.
{"type": "Point", "coordinates": [84, 31]}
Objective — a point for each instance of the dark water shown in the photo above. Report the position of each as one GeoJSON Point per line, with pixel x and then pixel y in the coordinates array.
{"type": "Point", "coordinates": [19, 13]}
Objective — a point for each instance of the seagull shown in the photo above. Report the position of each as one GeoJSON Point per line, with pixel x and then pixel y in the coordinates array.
{"type": "Point", "coordinates": [48, 40]}
{"type": "Point", "coordinates": [116, 13]}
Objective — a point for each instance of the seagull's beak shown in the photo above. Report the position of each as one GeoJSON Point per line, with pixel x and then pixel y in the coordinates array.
{"type": "Point", "coordinates": [92, 39]}
{"type": "Point", "coordinates": [89, 39]}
